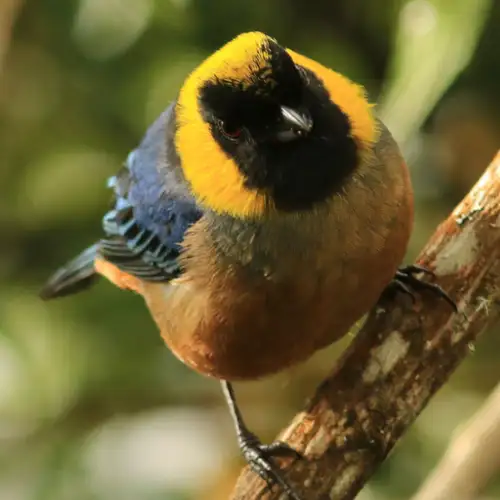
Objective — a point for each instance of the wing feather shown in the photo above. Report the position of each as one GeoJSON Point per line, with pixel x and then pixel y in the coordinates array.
{"type": "Point", "coordinates": [152, 209]}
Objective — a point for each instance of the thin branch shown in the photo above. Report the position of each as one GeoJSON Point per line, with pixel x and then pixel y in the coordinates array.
{"type": "Point", "coordinates": [399, 359]}
{"type": "Point", "coordinates": [9, 10]}
{"type": "Point", "coordinates": [471, 459]}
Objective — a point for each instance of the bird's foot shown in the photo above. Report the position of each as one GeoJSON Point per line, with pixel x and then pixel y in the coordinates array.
{"type": "Point", "coordinates": [260, 458]}
{"type": "Point", "coordinates": [406, 281]}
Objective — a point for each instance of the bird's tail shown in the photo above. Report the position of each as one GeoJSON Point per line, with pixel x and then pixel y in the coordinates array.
{"type": "Point", "coordinates": [75, 276]}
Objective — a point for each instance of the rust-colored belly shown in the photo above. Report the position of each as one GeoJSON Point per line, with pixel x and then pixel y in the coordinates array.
{"type": "Point", "coordinates": [229, 324]}
{"type": "Point", "coordinates": [225, 320]}
{"type": "Point", "coordinates": [233, 331]}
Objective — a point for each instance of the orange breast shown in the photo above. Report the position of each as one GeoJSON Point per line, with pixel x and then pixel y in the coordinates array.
{"type": "Point", "coordinates": [231, 324]}
{"type": "Point", "coordinates": [229, 321]}
{"type": "Point", "coordinates": [236, 329]}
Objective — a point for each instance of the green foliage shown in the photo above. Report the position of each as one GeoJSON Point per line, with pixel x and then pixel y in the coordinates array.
{"type": "Point", "coordinates": [92, 405]}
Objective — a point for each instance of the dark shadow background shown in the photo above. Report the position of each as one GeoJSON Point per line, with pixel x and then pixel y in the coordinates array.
{"type": "Point", "coordinates": [92, 405]}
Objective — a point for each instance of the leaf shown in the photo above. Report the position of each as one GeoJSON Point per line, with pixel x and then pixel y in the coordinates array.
{"type": "Point", "coordinates": [435, 41]}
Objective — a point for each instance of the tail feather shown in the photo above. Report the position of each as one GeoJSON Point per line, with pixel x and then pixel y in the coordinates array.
{"type": "Point", "coordinates": [75, 276]}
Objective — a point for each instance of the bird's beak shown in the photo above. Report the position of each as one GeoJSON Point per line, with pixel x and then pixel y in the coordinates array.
{"type": "Point", "coordinates": [294, 124]}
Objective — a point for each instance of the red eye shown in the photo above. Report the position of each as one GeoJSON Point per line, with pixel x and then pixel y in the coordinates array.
{"type": "Point", "coordinates": [230, 131]}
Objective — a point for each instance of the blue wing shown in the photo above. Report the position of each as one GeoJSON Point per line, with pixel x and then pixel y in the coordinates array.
{"type": "Point", "coordinates": [152, 208]}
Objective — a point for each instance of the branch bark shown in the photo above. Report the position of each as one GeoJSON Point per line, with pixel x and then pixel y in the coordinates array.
{"type": "Point", "coordinates": [472, 458]}
{"type": "Point", "coordinates": [399, 359]}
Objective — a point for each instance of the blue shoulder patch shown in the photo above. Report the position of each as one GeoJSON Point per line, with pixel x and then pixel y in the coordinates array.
{"type": "Point", "coordinates": [152, 211]}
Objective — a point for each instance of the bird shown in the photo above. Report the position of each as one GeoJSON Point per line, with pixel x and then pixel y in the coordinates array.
{"type": "Point", "coordinates": [262, 214]}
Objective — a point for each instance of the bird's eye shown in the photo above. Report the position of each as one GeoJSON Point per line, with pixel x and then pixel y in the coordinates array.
{"type": "Point", "coordinates": [230, 130]}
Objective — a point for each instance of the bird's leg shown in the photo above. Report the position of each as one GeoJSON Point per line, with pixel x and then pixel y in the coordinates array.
{"type": "Point", "coordinates": [405, 281]}
{"type": "Point", "coordinates": [259, 456]}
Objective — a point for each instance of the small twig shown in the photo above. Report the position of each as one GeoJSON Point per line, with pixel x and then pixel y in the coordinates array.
{"type": "Point", "coordinates": [400, 358]}
{"type": "Point", "coordinates": [471, 459]}
{"type": "Point", "coordinates": [9, 10]}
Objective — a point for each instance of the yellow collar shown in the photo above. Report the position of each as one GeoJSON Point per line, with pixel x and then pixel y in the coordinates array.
{"type": "Point", "coordinates": [213, 176]}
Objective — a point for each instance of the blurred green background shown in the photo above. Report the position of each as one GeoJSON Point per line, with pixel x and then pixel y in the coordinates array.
{"type": "Point", "coordinates": [92, 405]}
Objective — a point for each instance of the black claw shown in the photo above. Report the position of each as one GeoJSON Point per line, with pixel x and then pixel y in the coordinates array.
{"type": "Point", "coordinates": [415, 269]}
{"type": "Point", "coordinates": [260, 458]}
{"type": "Point", "coordinates": [399, 285]}
{"type": "Point", "coordinates": [281, 449]}
{"type": "Point", "coordinates": [405, 279]}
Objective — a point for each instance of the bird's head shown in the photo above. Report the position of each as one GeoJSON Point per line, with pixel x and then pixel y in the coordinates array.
{"type": "Point", "coordinates": [261, 128]}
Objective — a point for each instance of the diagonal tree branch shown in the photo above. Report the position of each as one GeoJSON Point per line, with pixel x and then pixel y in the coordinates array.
{"type": "Point", "coordinates": [400, 358]}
